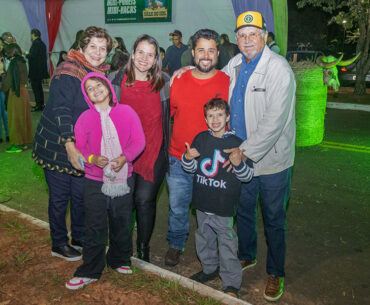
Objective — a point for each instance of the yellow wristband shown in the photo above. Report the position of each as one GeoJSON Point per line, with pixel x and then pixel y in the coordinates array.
{"type": "Point", "coordinates": [90, 158]}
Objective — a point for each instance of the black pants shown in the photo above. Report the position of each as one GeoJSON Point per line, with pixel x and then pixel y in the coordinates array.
{"type": "Point", "coordinates": [100, 212]}
{"type": "Point", "coordinates": [38, 92]}
{"type": "Point", "coordinates": [145, 196]}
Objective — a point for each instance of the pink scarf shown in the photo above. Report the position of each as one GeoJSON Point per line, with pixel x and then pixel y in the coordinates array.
{"type": "Point", "coordinates": [114, 183]}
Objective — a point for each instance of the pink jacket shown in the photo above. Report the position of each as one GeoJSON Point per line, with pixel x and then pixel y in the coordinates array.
{"type": "Point", "coordinates": [88, 132]}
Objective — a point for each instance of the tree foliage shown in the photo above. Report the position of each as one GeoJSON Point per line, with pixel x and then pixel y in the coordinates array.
{"type": "Point", "coordinates": [353, 15]}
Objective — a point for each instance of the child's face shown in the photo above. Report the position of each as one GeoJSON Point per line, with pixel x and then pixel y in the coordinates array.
{"type": "Point", "coordinates": [97, 92]}
{"type": "Point", "coordinates": [216, 120]}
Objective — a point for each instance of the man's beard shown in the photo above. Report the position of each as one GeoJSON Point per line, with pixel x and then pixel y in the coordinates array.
{"type": "Point", "coordinates": [205, 70]}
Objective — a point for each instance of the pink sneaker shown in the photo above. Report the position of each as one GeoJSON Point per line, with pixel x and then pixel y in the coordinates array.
{"type": "Point", "coordinates": [124, 270]}
{"type": "Point", "coordinates": [79, 282]}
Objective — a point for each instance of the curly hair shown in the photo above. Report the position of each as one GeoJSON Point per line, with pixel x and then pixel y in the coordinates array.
{"type": "Point", "coordinates": [93, 31]}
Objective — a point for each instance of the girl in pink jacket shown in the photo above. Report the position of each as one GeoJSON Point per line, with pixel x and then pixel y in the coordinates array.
{"type": "Point", "coordinates": [110, 137]}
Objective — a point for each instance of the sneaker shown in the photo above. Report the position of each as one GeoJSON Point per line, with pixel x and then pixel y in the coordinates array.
{"type": "Point", "coordinates": [202, 277]}
{"type": "Point", "coordinates": [172, 257]}
{"type": "Point", "coordinates": [79, 282]}
{"type": "Point", "coordinates": [124, 270]}
{"type": "Point", "coordinates": [67, 253]}
{"type": "Point", "coordinates": [274, 288]}
{"type": "Point", "coordinates": [14, 149]}
{"type": "Point", "coordinates": [232, 291]}
{"type": "Point", "coordinates": [248, 264]}
{"type": "Point", "coordinates": [75, 244]}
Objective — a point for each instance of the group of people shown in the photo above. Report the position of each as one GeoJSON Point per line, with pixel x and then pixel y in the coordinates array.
{"type": "Point", "coordinates": [105, 145]}
{"type": "Point", "coordinates": [15, 106]}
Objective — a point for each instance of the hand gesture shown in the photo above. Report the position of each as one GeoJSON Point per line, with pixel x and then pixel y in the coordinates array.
{"type": "Point", "coordinates": [191, 153]}
{"type": "Point", "coordinates": [73, 155]}
{"type": "Point", "coordinates": [235, 157]}
{"type": "Point", "coordinates": [178, 73]}
{"type": "Point", "coordinates": [120, 162]}
{"type": "Point", "coordinates": [99, 161]}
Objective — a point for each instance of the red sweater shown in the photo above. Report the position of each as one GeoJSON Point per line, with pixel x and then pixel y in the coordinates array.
{"type": "Point", "coordinates": [188, 96]}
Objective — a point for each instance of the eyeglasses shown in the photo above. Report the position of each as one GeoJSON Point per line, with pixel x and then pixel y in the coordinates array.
{"type": "Point", "coordinates": [244, 36]}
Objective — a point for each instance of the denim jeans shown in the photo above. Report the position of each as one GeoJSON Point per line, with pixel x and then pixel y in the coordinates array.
{"type": "Point", "coordinates": [3, 115]}
{"type": "Point", "coordinates": [62, 189]}
{"type": "Point", "coordinates": [274, 191]}
{"type": "Point", "coordinates": [180, 186]}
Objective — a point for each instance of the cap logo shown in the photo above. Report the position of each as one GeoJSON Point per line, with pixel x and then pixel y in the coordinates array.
{"type": "Point", "coordinates": [248, 18]}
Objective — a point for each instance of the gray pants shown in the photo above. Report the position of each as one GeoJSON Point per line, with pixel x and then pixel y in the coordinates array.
{"type": "Point", "coordinates": [213, 228]}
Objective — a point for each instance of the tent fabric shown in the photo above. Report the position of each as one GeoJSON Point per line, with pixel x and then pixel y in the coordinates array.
{"type": "Point", "coordinates": [280, 8]}
{"type": "Point", "coordinates": [53, 11]}
{"type": "Point", "coordinates": [35, 12]}
{"type": "Point", "coordinates": [262, 6]}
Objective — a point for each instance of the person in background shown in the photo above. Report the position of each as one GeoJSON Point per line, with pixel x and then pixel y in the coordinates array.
{"type": "Point", "coordinates": [3, 112]}
{"type": "Point", "coordinates": [186, 57]}
{"type": "Point", "coordinates": [54, 145]}
{"type": "Point", "coordinates": [76, 43]}
{"type": "Point", "coordinates": [227, 50]}
{"type": "Point", "coordinates": [271, 43]}
{"type": "Point", "coordinates": [144, 87]}
{"type": "Point", "coordinates": [120, 56]}
{"type": "Point", "coordinates": [62, 57]}
{"type": "Point", "coordinates": [162, 53]}
{"type": "Point", "coordinates": [172, 59]}
{"type": "Point", "coordinates": [19, 111]}
{"type": "Point", "coordinates": [38, 70]}
{"type": "Point", "coordinates": [110, 137]}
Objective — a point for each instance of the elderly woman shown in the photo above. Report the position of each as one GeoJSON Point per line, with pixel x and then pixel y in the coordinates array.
{"type": "Point", "coordinates": [19, 111]}
{"type": "Point", "coordinates": [144, 87]}
{"type": "Point", "coordinates": [54, 144]}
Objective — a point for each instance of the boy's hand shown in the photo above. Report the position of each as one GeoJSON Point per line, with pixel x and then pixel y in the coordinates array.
{"type": "Point", "coordinates": [236, 156]}
{"type": "Point", "coordinates": [121, 160]}
{"type": "Point", "coordinates": [191, 153]}
{"type": "Point", "coordinates": [99, 161]}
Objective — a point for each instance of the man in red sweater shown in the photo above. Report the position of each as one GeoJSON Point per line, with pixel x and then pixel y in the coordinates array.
{"type": "Point", "coordinates": [188, 96]}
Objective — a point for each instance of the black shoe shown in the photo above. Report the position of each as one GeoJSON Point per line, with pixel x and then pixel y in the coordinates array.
{"type": "Point", "coordinates": [232, 291]}
{"type": "Point", "coordinates": [172, 257]}
{"type": "Point", "coordinates": [202, 277]}
{"type": "Point", "coordinates": [7, 138]}
{"type": "Point", "coordinates": [143, 251]}
{"type": "Point", "coordinates": [67, 253]}
{"type": "Point", "coordinates": [76, 244]}
{"type": "Point", "coordinates": [36, 108]}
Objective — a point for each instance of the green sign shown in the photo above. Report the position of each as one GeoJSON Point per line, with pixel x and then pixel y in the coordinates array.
{"type": "Point", "coordinates": [126, 11]}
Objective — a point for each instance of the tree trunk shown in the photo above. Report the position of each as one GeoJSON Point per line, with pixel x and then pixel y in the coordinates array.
{"type": "Point", "coordinates": [360, 85]}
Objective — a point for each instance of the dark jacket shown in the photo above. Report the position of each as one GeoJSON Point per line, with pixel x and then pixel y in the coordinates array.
{"type": "Point", "coordinates": [37, 60]}
{"type": "Point", "coordinates": [65, 104]}
{"type": "Point", "coordinates": [116, 80]}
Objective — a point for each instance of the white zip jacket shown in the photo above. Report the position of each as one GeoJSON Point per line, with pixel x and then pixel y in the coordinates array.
{"type": "Point", "coordinates": [269, 112]}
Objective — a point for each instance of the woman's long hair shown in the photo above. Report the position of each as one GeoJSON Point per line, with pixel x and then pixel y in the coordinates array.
{"type": "Point", "coordinates": [155, 72]}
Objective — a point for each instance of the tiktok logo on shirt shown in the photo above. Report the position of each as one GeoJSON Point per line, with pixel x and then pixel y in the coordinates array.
{"type": "Point", "coordinates": [214, 164]}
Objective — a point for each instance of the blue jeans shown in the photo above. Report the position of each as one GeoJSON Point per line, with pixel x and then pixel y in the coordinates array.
{"type": "Point", "coordinates": [3, 115]}
{"type": "Point", "coordinates": [62, 189]}
{"type": "Point", "coordinates": [274, 191]}
{"type": "Point", "coordinates": [180, 186]}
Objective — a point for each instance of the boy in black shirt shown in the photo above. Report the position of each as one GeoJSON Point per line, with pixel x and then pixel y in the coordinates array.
{"type": "Point", "coordinates": [215, 196]}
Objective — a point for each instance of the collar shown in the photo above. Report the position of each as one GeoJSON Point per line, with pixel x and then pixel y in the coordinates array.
{"type": "Point", "coordinates": [227, 134]}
